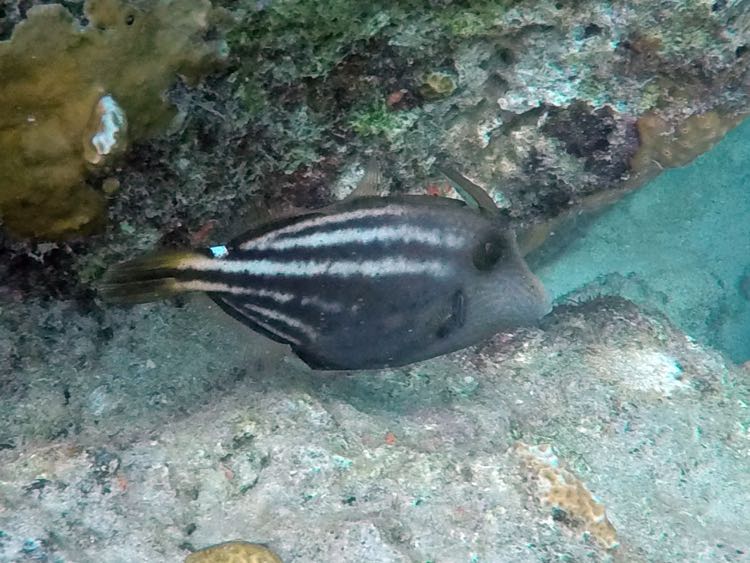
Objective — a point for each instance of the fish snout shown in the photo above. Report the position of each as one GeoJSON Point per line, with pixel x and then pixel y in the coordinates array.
{"type": "Point", "coordinates": [544, 301]}
{"type": "Point", "coordinates": [527, 300]}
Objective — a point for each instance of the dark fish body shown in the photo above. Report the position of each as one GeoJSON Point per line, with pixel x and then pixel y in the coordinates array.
{"type": "Point", "coordinates": [373, 282]}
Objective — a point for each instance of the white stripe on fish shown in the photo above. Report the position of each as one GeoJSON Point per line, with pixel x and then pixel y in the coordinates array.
{"type": "Point", "coordinates": [324, 220]}
{"type": "Point", "coordinates": [290, 322]}
{"type": "Point", "coordinates": [215, 287]}
{"type": "Point", "coordinates": [322, 304]}
{"type": "Point", "coordinates": [309, 268]}
{"type": "Point", "coordinates": [274, 331]}
{"type": "Point", "coordinates": [404, 233]}
{"type": "Point", "coordinates": [253, 319]}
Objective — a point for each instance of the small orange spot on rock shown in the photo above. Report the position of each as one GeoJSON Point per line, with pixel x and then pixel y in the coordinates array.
{"type": "Point", "coordinates": [122, 483]}
{"type": "Point", "coordinates": [228, 473]}
{"type": "Point", "coordinates": [200, 236]}
{"type": "Point", "coordinates": [433, 189]}
{"type": "Point", "coordinates": [390, 438]}
{"type": "Point", "coordinates": [439, 189]}
{"type": "Point", "coordinates": [395, 97]}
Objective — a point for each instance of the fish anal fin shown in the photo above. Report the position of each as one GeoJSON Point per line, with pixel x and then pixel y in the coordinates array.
{"type": "Point", "coordinates": [233, 307]}
{"type": "Point", "coordinates": [314, 361]}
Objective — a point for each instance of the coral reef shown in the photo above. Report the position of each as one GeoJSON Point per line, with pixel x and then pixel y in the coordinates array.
{"type": "Point", "coordinates": [436, 85]}
{"type": "Point", "coordinates": [234, 552]}
{"type": "Point", "coordinates": [571, 501]}
{"type": "Point", "coordinates": [539, 102]}
{"type": "Point", "coordinates": [75, 97]}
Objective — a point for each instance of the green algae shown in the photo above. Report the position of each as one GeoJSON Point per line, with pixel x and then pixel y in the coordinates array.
{"type": "Point", "coordinates": [437, 84]}
{"type": "Point", "coordinates": [314, 36]}
{"type": "Point", "coordinates": [475, 18]}
{"type": "Point", "coordinates": [303, 45]}
{"type": "Point", "coordinates": [378, 119]}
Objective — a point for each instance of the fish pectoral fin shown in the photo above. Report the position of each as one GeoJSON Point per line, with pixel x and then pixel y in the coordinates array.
{"type": "Point", "coordinates": [456, 318]}
{"type": "Point", "coordinates": [474, 195]}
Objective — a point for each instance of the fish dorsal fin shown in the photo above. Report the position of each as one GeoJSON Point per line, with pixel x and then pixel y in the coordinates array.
{"type": "Point", "coordinates": [369, 184]}
{"type": "Point", "coordinates": [367, 187]}
{"type": "Point", "coordinates": [474, 195]}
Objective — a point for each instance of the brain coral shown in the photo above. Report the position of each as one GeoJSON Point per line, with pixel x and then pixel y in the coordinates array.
{"type": "Point", "coordinates": [74, 96]}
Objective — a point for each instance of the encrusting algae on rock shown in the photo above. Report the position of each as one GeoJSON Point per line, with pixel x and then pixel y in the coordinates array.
{"type": "Point", "coordinates": [236, 551]}
{"type": "Point", "coordinates": [566, 494]}
{"type": "Point", "coordinates": [74, 97]}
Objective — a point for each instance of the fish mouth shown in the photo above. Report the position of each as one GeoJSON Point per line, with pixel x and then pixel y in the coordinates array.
{"type": "Point", "coordinates": [534, 298]}
{"type": "Point", "coordinates": [546, 304]}
{"type": "Point", "coordinates": [539, 306]}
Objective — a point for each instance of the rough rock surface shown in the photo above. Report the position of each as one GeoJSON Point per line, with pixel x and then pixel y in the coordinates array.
{"type": "Point", "coordinates": [551, 105]}
{"type": "Point", "coordinates": [183, 430]}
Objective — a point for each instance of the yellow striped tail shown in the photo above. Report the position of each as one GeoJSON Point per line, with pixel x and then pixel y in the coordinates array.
{"type": "Point", "coordinates": [146, 279]}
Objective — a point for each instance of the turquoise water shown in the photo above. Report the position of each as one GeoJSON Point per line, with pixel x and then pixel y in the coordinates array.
{"type": "Point", "coordinates": [681, 245]}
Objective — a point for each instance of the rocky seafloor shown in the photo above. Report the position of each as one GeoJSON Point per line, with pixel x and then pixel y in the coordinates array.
{"type": "Point", "coordinates": [184, 431]}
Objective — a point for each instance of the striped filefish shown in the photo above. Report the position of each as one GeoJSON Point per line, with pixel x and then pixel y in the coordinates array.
{"type": "Point", "coordinates": [372, 282]}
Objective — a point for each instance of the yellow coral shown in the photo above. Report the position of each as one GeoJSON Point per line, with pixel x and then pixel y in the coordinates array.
{"type": "Point", "coordinates": [236, 551]}
{"type": "Point", "coordinates": [437, 85]}
{"type": "Point", "coordinates": [559, 488]}
{"type": "Point", "coordinates": [72, 97]}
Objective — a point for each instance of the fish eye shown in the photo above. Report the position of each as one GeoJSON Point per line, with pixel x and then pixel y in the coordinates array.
{"type": "Point", "coordinates": [489, 252]}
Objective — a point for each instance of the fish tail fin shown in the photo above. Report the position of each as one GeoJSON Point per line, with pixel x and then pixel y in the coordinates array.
{"type": "Point", "coordinates": [146, 279]}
